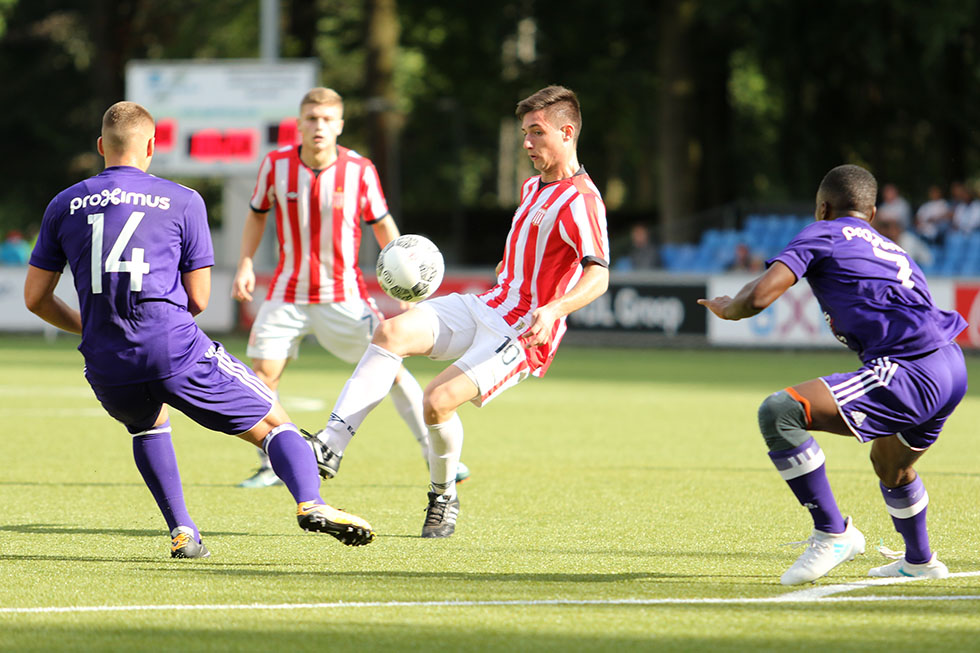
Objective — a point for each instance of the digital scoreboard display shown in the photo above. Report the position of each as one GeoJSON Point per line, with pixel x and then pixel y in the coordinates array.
{"type": "Point", "coordinates": [219, 118]}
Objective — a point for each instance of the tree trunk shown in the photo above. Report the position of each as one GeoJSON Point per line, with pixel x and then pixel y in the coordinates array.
{"type": "Point", "coordinates": [678, 167]}
{"type": "Point", "coordinates": [384, 120]}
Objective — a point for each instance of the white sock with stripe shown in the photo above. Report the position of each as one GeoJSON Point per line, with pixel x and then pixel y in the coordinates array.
{"type": "Point", "coordinates": [371, 381]}
{"type": "Point", "coordinates": [445, 447]}
{"type": "Point", "coordinates": [406, 394]}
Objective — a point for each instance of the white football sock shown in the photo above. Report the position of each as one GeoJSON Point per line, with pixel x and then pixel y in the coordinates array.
{"type": "Point", "coordinates": [264, 460]}
{"type": "Point", "coordinates": [445, 446]}
{"type": "Point", "coordinates": [406, 394]}
{"type": "Point", "coordinates": [363, 391]}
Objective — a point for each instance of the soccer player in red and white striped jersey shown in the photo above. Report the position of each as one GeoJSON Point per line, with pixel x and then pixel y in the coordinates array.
{"type": "Point", "coordinates": [321, 192]}
{"type": "Point", "coordinates": [555, 261]}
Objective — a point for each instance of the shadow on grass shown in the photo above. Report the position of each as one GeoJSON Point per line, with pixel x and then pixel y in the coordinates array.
{"type": "Point", "coordinates": [442, 629]}
{"type": "Point", "coordinates": [57, 529]}
{"type": "Point", "coordinates": [185, 485]}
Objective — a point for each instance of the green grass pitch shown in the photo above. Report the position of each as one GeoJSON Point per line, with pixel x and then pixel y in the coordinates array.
{"type": "Point", "coordinates": [624, 502]}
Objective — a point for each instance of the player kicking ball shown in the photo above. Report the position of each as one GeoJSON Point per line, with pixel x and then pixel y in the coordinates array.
{"type": "Point", "coordinates": [555, 262]}
{"type": "Point", "coordinates": [140, 252]}
{"type": "Point", "coordinates": [876, 301]}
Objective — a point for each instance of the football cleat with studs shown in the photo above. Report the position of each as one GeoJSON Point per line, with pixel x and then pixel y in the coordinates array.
{"type": "Point", "coordinates": [932, 569]}
{"type": "Point", "coordinates": [824, 552]}
{"type": "Point", "coordinates": [183, 544]}
{"type": "Point", "coordinates": [462, 473]}
{"type": "Point", "coordinates": [264, 477]}
{"type": "Point", "coordinates": [440, 515]}
{"type": "Point", "coordinates": [327, 462]}
{"type": "Point", "coordinates": [321, 518]}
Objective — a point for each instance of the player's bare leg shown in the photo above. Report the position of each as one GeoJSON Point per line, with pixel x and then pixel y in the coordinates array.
{"type": "Point", "coordinates": [269, 372]}
{"type": "Point", "coordinates": [444, 395]}
{"type": "Point", "coordinates": [406, 334]}
{"type": "Point", "coordinates": [785, 418]}
{"type": "Point", "coordinates": [906, 500]}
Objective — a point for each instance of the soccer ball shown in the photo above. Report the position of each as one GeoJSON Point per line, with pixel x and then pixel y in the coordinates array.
{"type": "Point", "coordinates": [410, 268]}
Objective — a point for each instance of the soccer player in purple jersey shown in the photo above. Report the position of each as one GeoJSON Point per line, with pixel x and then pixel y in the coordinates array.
{"type": "Point", "coordinates": [140, 252]}
{"type": "Point", "coordinates": [876, 300]}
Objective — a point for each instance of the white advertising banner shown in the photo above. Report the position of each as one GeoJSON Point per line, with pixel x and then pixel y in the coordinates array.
{"type": "Point", "coordinates": [220, 316]}
{"type": "Point", "coordinates": [793, 320]}
{"type": "Point", "coordinates": [14, 315]}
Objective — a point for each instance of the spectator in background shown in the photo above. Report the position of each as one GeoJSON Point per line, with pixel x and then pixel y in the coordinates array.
{"type": "Point", "coordinates": [966, 208]}
{"type": "Point", "coordinates": [643, 254]}
{"type": "Point", "coordinates": [894, 206]}
{"type": "Point", "coordinates": [745, 260]}
{"type": "Point", "coordinates": [15, 250]}
{"type": "Point", "coordinates": [932, 218]}
{"type": "Point", "coordinates": [912, 244]}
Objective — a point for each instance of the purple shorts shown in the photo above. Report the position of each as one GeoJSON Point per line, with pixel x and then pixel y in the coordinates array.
{"type": "Point", "coordinates": [911, 397]}
{"type": "Point", "coordinates": [219, 392]}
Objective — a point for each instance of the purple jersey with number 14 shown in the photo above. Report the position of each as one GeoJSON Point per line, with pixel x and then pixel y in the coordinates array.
{"type": "Point", "coordinates": [128, 236]}
{"type": "Point", "coordinates": [872, 293]}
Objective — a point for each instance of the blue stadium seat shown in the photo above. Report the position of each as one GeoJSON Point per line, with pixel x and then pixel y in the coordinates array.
{"type": "Point", "coordinates": [679, 258]}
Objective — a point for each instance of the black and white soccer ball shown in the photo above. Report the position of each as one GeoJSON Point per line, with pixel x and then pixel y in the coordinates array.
{"type": "Point", "coordinates": [410, 268]}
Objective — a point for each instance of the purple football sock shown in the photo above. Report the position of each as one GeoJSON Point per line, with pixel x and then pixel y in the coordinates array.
{"type": "Point", "coordinates": [293, 462]}
{"type": "Point", "coordinates": [803, 470]}
{"type": "Point", "coordinates": [153, 451]}
{"type": "Point", "coordinates": [907, 506]}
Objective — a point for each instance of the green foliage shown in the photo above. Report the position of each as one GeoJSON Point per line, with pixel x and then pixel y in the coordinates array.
{"type": "Point", "coordinates": [778, 91]}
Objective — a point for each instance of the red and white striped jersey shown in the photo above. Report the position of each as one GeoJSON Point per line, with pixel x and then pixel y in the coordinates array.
{"type": "Point", "coordinates": [318, 216]}
{"type": "Point", "coordinates": [557, 227]}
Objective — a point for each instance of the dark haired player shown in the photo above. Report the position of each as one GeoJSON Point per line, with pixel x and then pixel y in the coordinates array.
{"type": "Point", "coordinates": [140, 252]}
{"type": "Point", "coordinates": [876, 300]}
{"type": "Point", "coordinates": [555, 262]}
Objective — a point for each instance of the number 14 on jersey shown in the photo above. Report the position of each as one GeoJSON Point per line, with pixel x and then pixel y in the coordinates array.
{"type": "Point", "coordinates": [136, 266]}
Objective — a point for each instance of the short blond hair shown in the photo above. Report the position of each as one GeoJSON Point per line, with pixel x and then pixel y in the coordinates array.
{"type": "Point", "coordinates": [321, 95]}
{"type": "Point", "coordinates": [123, 124]}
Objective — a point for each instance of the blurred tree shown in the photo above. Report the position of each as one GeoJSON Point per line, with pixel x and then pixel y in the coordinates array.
{"type": "Point", "coordinates": [381, 95]}
{"type": "Point", "coordinates": [688, 104]}
{"type": "Point", "coordinates": [891, 85]}
{"type": "Point", "coordinates": [63, 63]}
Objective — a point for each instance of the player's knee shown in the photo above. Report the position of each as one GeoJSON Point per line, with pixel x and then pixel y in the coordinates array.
{"type": "Point", "coordinates": [782, 421]}
{"type": "Point", "coordinates": [438, 405]}
{"type": "Point", "coordinates": [395, 335]}
{"type": "Point", "coordinates": [891, 473]}
{"type": "Point", "coordinates": [385, 334]}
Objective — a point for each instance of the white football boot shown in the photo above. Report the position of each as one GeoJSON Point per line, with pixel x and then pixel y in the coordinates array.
{"type": "Point", "coordinates": [824, 552]}
{"type": "Point", "coordinates": [932, 569]}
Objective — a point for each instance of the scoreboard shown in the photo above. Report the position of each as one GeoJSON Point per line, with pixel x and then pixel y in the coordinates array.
{"type": "Point", "coordinates": [219, 117]}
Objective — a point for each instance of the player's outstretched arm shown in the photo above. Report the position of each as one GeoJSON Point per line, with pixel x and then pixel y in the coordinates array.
{"type": "Point", "coordinates": [40, 299]}
{"type": "Point", "coordinates": [243, 284]}
{"type": "Point", "coordinates": [593, 282]}
{"type": "Point", "coordinates": [755, 296]}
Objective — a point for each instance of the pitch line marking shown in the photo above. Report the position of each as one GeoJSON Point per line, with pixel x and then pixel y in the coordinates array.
{"type": "Point", "coordinates": [812, 595]}
{"type": "Point", "coordinates": [821, 592]}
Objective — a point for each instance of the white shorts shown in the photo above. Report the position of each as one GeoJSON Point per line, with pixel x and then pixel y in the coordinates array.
{"type": "Point", "coordinates": [484, 347]}
{"type": "Point", "coordinates": [343, 328]}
